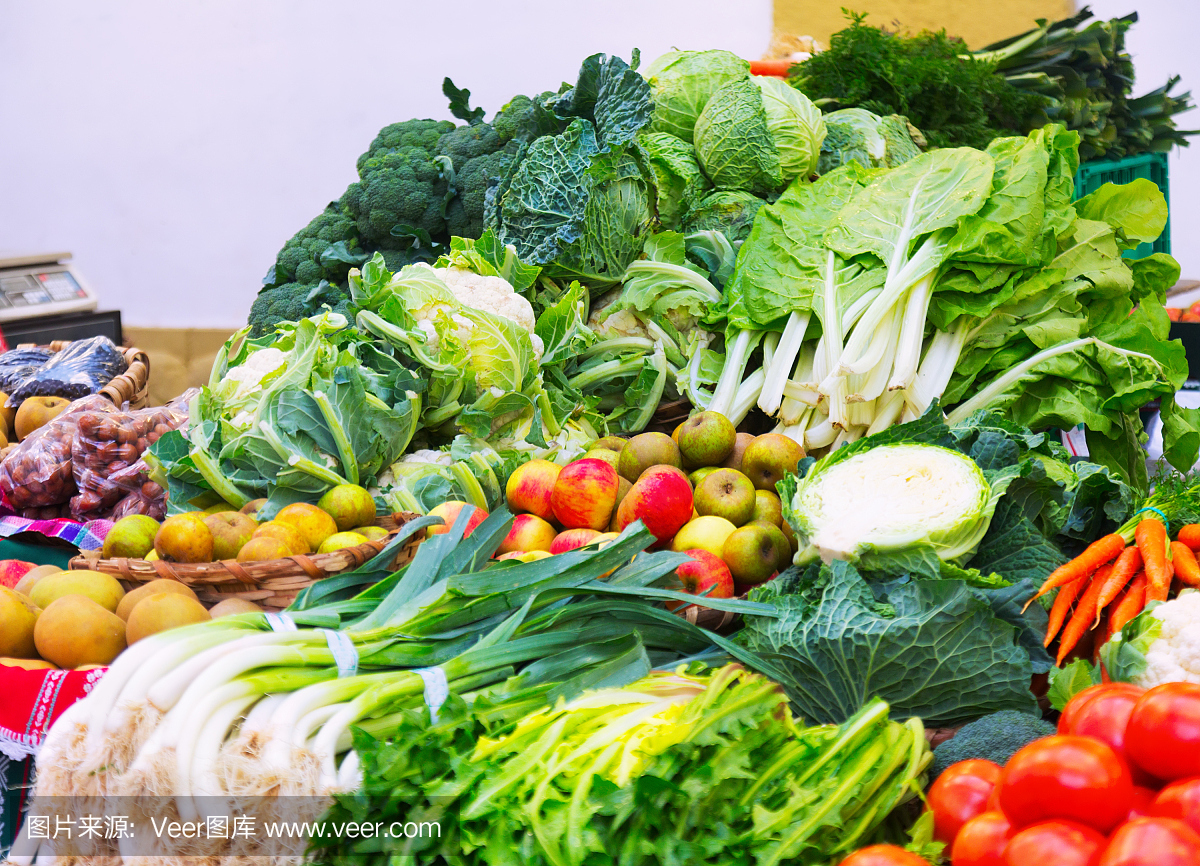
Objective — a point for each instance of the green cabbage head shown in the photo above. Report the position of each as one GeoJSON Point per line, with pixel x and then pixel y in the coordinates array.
{"type": "Point", "coordinates": [795, 123]}
{"type": "Point", "coordinates": [885, 503]}
{"type": "Point", "coordinates": [681, 83]}
{"type": "Point", "coordinates": [758, 134]}
{"type": "Point", "coordinates": [730, 212]}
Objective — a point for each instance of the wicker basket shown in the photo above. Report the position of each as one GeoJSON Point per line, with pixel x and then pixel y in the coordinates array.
{"type": "Point", "coordinates": [721, 621]}
{"type": "Point", "coordinates": [271, 584]}
{"type": "Point", "coordinates": [132, 386]}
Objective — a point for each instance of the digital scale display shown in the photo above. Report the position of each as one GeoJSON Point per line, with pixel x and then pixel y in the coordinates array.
{"type": "Point", "coordinates": [29, 289]}
{"type": "Point", "coordinates": [33, 286]}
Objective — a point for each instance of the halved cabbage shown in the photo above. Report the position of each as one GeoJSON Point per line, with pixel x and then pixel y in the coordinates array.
{"type": "Point", "coordinates": [891, 498]}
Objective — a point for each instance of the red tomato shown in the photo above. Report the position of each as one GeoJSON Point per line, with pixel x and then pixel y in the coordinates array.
{"type": "Point", "coordinates": [1081, 700]}
{"type": "Point", "coordinates": [1105, 717]}
{"type": "Point", "coordinates": [1163, 737]}
{"type": "Point", "coordinates": [1152, 842]}
{"type": "Point", "coordinates": [960, 793]}
{"type": "Point", "coordinates": [1143, 803]}
{"type": "Point", "coordinates": [981, 841]}
{"type": "Point", "coordinates": [1180, 800]}
{"type": "Point", "coordinates": [1070, 777]}
{"type": "Point", "coordinates": [883, 855]}
{"type": "Point", "coordinates": [1060, 843]}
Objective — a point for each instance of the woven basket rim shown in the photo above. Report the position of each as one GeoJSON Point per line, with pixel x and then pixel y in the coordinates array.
{"type": "Point", "coordinates": [132, 386]}
{"type": "Point", "coordinates": [304, 569]}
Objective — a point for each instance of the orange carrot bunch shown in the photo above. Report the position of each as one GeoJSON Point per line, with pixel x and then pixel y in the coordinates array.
{"type": "Point", "coordinates": [1108, 584]}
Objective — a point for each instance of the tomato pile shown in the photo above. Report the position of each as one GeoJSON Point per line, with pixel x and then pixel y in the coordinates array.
{"type": "Point", "coordinates": [1119, 785]}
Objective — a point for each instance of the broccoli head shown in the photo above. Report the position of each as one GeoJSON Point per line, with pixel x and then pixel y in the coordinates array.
{"type": "Point", "coordinates": [419, 134]}
{"type": "Point", "coordinates": [993, 738]}
{"type": "Point", "coordinates": [464, 214]}
{"type": "Point", "coordinates": [303, 259]}
{"type": "Point", "coordinates": [405, 187]}
{"type": "Point", "coordinates": [291, 302]}
{"type": "Point", "coordinates": [284, 303]}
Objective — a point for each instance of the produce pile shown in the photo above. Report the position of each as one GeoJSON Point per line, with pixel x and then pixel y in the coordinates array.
{"type": "Point", "coordinates": [717, 638]}
{"type": "Point", "coordinates": [846, 281]}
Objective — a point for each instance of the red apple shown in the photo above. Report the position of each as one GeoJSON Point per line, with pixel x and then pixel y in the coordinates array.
{"type": "Point", "coordinates": [571, 539]}
{"type": "Point", "coordinates": [704, 571]}
{"type": "Point", "coordinates": [512, 554]}
{"type": "Point", "coordinates": [449, 512]}
{"type": "Point", "coordinates": [661, 498]}
{"type": "Point", "coordinates": [529, 532]}
{"type": "Point", "coordinates": [12, 570]}
{"type": "Point", "coordinates": [530, 486]}
{"type": "Point", "coordinates": [584, 494]}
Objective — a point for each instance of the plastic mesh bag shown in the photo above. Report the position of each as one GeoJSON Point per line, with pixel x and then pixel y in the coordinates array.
{"type": "Point", "coordinates": [39, 472]}
{"type": "Point", "coordinates": [107, 455]}
{"type": "Point", "coordinates": [82, 368]}
{"type": "Point", "coordinates": [17, 365]}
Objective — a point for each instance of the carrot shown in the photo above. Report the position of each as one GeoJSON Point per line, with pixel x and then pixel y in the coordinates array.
{"type": "Point", "coordinates": [1081, 620]}
{"type": "Point", "coordinates": [1102, 637]}
{"type": "Point", "coordinates": [1151, 538]}
{"type": "Point", "coordinates": [1099, 552]}
{"type": "Point", "coordinates": [1130, 604]}
{"type": "Point", "coordinates": [771, 67]}
{"type": "Point", "coordinates": [1184, 562]}
{"type": "Point", "coordinates": [1190, 535]}
{"type": "Point", "coordinates": [1062, 602]}
{"type": "Point", "coordinates": [1123, 570]}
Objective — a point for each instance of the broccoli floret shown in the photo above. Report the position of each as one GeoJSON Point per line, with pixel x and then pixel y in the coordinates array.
{"type": "Point", "coordinates": [404, 187]}
{"type": "Point", "coordinates": [402, 182]}
{"type": "Point", "coordinates": [464, 214]}
{"type": "Point", "coordinates": [285, 303]}
{"type": "Point", "coordinates": [300, 259]}
{"type": "Point", "coordinates": [421, 134]}
{"type": "Point", "coordinates": [994, 738]}
{"type": "Point", "coordinates": [291, 302]}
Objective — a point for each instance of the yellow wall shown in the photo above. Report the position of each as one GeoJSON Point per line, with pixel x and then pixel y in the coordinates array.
{"type": "Point", "coordinates": [979, 22]}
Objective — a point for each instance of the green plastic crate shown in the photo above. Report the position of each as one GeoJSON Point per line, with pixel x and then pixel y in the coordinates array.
{"type": "Point", "coordinates": [1152, 166]}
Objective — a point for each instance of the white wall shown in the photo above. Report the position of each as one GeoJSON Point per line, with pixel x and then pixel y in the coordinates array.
{"type": "Point", "coordinates": [1162, 44]}
{"type": "Point", "coordinates": [174, 147]}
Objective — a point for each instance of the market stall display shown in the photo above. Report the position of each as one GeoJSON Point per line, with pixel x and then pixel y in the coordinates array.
{"type": "Point", "coordinates": [641, 475]}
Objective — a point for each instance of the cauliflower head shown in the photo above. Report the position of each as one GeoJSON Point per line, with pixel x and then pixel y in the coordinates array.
{"type": "Point", "coordinates": [490, 294]}
{"type": "Point", "coordinates": [1174, 655]}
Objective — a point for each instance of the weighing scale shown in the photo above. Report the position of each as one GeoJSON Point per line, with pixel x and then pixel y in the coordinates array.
{"type": "Point", "coordinates": [44, 298]}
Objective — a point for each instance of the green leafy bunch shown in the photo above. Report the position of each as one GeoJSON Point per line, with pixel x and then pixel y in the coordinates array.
{"type": "Point", "coordinates": [952, 100]}
{"type": "Point", "coordinates": [681, 767]}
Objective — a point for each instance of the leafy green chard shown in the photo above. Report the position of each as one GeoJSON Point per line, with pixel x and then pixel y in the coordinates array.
{"type": "Point", "coordinates": [1032, 307]}
{"type": "Point", "coordinates": [654, 772]}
